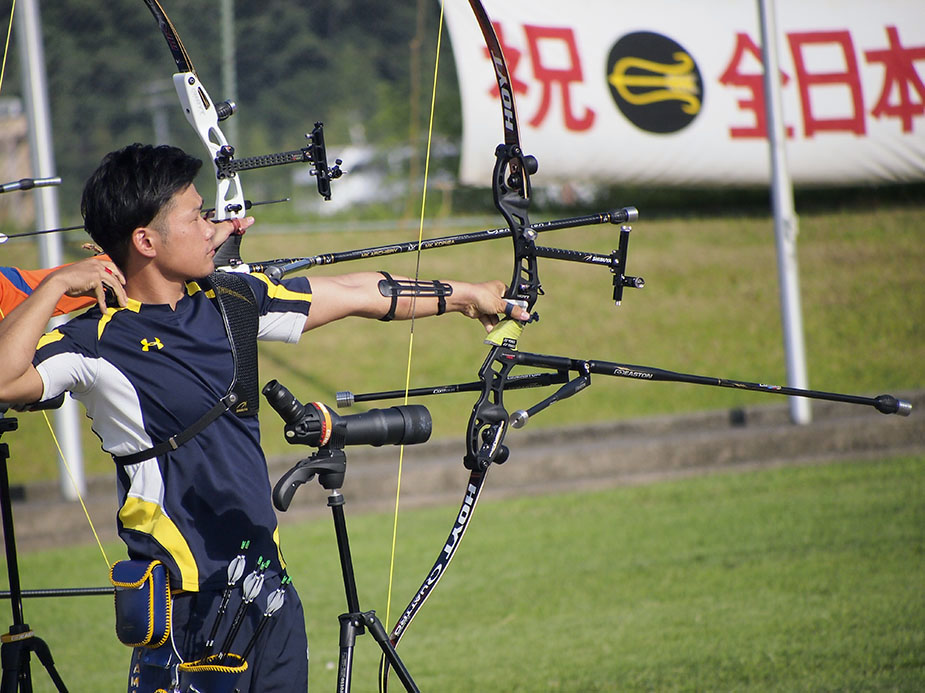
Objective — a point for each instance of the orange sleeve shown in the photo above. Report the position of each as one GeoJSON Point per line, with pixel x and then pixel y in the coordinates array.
{"type": "Point", "coordinates": [16, 285]}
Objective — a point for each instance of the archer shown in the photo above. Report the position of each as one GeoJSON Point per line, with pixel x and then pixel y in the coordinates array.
{"type": "Point", "coordinates": [170, 390]}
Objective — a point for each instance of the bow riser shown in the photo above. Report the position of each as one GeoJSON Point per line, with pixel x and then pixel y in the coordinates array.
{"type": "Point", "coordinates": [202, 115]}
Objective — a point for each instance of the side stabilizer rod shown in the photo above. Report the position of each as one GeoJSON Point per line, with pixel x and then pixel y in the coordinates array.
{"type": "Point", "coordinates": [345, 398]}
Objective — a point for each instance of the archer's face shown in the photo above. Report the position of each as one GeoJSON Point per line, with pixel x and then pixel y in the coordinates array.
{"type": "Point", "coordinates": [187, 241]}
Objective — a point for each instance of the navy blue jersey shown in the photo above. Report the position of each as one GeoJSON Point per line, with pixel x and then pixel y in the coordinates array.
{"type": "Point", "coordinates": [147, 372]}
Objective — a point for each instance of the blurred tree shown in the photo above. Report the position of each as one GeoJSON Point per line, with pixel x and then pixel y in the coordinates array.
{"type": "Point", "coordinates": [346, 63]}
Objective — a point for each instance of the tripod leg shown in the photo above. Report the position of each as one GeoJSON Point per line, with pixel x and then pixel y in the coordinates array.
{"type": "Point", "coordinates": [350, 627]}
{"type": "Point", "coordinates": [10, 682]}
{"type": "Point", "coordinates": [44, 654]}
{"type": "Point", "coordinates": [355, 622]}
{"type": "Point", "coordinates": [15, 657]}
{"type": "Point", "coordinates": [377, 630]}
{"type": "Point", "coordinates": [17, 675]}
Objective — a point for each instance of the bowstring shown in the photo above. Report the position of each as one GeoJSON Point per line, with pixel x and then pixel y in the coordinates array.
{"type": "Point", "coordinates": [6, 46]}
{"type": "Point", "coordinates": [417, 274]}
{"type": "Point", "coordinates": [70, 475]}
{"type": "Point", "coordinates": [51, 430]}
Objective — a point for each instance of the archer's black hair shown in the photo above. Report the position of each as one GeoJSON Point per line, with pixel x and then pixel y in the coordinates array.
{"type": "Point", "coordinates": [129, 189]}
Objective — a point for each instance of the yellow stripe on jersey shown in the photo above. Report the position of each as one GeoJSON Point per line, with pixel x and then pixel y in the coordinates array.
{"type": "Point", "coordinates": [49, 338]}
{"type": "Point", "coordinates": [132, 305]}
{"type": "Point", "coordinates": [192, 288]}
{"type": "Point", "coordinates": [149, 518]}
{"type": "Point", "coordinates": [279, 291]}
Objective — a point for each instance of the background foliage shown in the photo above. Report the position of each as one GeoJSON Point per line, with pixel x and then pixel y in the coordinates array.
{"type": "Point", "coordinates": [349, 64]}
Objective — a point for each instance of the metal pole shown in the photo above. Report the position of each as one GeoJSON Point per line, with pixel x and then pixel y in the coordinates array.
{"type": "Point", "coordinates": [28, 27]}
{"type": "Point", "coordinates": [229, 66]}
{"type": "Point", "coordinates": [785, 219]}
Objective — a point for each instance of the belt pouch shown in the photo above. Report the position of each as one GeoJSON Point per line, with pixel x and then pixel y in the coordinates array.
{"type": "Point", "coordinates": [142, 602]}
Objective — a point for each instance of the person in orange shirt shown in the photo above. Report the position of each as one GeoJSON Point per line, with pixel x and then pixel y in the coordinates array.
{"type": "Point", "coordinates": [17, 284]}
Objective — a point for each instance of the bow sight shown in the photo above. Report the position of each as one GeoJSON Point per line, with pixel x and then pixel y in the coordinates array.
{"type": "Point", "coordinates": [227, 167]}
{"type": "Point", "coordinates": [204, 115]}
{"type": "Point", "coordinates": [313, 153]}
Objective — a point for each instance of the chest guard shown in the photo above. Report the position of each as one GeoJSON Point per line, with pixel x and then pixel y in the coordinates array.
{"type": "Point", "coordinates": [238, 306]}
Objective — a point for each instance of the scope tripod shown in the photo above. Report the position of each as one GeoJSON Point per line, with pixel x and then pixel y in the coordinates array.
{"type": "Point", "coordinates": [329, 463]}
{"type": "Point", "coordinates": [20, 641]}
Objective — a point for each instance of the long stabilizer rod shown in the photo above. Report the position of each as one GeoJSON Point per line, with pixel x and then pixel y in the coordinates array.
{"type": "Point", "coordinates": [886, 404]}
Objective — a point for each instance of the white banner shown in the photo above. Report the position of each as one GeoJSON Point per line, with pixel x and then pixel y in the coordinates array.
{"type": "Point", "coordinates": [670, 93]}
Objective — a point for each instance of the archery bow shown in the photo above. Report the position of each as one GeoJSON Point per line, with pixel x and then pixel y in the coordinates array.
{"type": "Point", "coordinates": [204, 116]}
{"type": "Point", "coordinates": [488, 421]}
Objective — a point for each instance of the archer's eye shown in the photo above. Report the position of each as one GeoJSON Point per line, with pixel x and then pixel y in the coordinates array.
{"type": "Point", "coordinates": [208, 214]}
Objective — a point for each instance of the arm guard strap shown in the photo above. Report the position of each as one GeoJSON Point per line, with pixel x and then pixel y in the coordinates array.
{"type": "Point", "coordinates": [393, 288]}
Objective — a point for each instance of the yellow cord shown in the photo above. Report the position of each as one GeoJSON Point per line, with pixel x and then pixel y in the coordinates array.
{"type": "Point", "coordinates": [6, 47]}
{"type": "Point", "coordinates": [76, 489]}
{"type": "Point", "coordinates": [417, 273]}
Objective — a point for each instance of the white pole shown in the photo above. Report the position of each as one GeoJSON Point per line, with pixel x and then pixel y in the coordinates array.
{"type": "Point", "coordinates": [28, 27]}
{"type": "Point", "coordinates": [229, 66]}
{"type": "Point", "coordinates": [785, 219]}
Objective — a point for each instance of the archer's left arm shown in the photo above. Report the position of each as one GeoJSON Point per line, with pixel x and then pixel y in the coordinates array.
{"type": "Point", "coordinates": [359, 295]}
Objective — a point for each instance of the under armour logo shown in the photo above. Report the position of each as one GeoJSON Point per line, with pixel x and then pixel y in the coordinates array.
{"type": "Point", "coordinates": [147, 344]}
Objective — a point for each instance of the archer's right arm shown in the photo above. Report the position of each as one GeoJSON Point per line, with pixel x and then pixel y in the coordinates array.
{"type": "Point", "coordinates": [22, 329]}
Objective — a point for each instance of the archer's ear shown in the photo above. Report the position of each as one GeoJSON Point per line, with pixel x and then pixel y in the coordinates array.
{"type": "Point", "coordinates": [145, 241]}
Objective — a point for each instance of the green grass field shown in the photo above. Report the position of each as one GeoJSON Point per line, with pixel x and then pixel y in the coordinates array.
{"type": "Point", "coordinates": [710, 307]}
{"type": "Point", "coordinates": [787, 579]}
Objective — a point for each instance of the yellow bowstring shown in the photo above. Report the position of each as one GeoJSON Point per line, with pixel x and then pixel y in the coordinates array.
{"type": "Point", "coordinates": [417, 273]}
{"type": "Point", "coordinates": [6, 46]}
{"type": "Point", "coordinates": [76, 489]}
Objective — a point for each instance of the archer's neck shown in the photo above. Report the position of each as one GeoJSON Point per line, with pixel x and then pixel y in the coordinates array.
{"type": "Point", "coordinates": [147, 284]}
